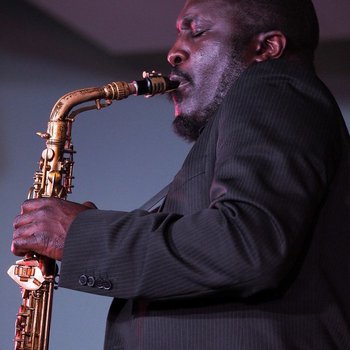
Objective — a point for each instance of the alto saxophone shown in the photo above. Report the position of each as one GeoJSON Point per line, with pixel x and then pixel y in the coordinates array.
{"type": "Point", "coordinates": [36, 274]}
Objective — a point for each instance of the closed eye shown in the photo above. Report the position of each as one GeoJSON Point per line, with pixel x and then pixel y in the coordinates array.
{"type": "Point", "coordinates": [198, 33]}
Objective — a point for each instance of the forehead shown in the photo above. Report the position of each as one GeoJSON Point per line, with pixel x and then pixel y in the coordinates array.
{"type": "Point", "coordinates": [214, 10]}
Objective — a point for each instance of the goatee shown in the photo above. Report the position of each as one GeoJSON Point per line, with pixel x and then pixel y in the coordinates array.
{"type": "Point", "coordinates": [188, 128]}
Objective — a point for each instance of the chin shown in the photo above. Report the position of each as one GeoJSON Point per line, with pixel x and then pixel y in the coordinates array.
{"type": "Point", "coordinates": [183, 127]}
{"type": "Point", "coordinates": [185, 110]}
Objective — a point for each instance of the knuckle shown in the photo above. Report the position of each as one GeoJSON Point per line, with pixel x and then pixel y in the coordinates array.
{"type": "Point", "coordinates": [16, 246]}
{"type": "Point", "coordinates": [17, 233]}
{"type": "Point", "coordinates": [16, 221]}
{"type": "Point", "coordinates": [26, 205]}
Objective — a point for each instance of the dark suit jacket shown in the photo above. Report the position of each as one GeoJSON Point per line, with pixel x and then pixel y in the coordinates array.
{"type": "Point", "coordinates": [251, 248]}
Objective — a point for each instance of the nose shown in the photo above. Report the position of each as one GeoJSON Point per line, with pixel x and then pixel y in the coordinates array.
{"type": "Point", "coordinates": [177, 55]}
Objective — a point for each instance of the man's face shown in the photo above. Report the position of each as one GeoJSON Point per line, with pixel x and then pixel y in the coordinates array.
{"type": "Point", "coordinates": [204, 60]}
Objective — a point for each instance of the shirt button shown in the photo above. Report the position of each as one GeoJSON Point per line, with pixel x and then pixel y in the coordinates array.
{"type": "Point", "coordinates": [83, 280]}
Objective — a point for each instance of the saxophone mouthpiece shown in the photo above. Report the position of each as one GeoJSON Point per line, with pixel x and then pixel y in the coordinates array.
{"type": "Point", "coordinates": [154, 83]}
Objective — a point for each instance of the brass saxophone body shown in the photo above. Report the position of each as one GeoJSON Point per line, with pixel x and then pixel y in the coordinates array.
{"type": "Point", "coordinates": [36, 274]}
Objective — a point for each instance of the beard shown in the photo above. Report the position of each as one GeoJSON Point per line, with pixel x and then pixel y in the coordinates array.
{"type": "Point", "coordinates": [189, 126]}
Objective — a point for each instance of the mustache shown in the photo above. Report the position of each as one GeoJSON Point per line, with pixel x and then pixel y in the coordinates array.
{"type": "Point", "coordinates": [184, 76]}
{"type": "Point", "coordinates": [181, 77]}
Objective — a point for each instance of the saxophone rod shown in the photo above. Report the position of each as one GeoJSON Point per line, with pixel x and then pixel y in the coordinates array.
{"type": "Point", "coordinates": [152, 84]}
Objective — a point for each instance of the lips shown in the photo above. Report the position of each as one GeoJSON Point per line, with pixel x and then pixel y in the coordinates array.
{"type": "Point", "coordinates": [178, 95]}
{"type": "Point", "coordinates": [182, 89]}
{"type": "Point", "coordinates": [182, 77]}
{"type": "Point", "coordinates": [179, 79]}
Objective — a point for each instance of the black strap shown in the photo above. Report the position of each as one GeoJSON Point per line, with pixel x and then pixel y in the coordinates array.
{"type": "Point", "coordinates": [156, 199]}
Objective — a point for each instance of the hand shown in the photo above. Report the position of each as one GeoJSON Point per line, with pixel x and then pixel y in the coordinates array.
{"type": "Point", "coordinates": [43, 225]}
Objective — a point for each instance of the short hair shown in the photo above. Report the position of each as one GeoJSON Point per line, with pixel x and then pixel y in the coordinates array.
{"type": "Point", "coordinates": [296, 19]}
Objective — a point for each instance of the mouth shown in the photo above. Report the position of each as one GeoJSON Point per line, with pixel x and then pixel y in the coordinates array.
{"type": "Point", "coordinates": [181, 81]}
{"type": "Point", "coordinates": [183, 90]}
{"type": "Point", "coordinates": [182, 78]}
{"type": "Point", "coordinates": [179, 94]}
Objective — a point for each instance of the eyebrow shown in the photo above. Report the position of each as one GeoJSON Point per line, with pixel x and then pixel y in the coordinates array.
{"type": "Point", "coordinates": [185, 22]}
{"type": "Point", "coordinates": [188, 20]}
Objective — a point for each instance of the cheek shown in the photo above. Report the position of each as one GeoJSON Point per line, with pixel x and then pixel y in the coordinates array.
{"type": "Point", "coordinates": [207, 59]}
{"type": "Point", "coordinates": [212, 60]}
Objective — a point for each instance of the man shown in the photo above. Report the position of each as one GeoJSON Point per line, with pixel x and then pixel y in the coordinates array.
{"type": "Point", "coordinates": [250, 248]}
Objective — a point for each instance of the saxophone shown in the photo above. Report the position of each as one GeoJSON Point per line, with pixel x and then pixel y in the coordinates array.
{"type": "Point", "coordinates": [37, 274]}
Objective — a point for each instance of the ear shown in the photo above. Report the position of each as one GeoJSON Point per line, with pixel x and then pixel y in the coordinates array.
{"type": "Point", "coordinates": [269, 45]}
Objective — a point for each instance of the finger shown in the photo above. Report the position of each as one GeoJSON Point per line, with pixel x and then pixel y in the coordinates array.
{"type": "Point", "coordinates": [16, 248]}
{"type": "Point", "coordinates": [39, 243]}
{"type": "Point", "coordinates": [35, 204]}
{"type": "Point", "coordinates": [24, 231]}
{"type": "Point", "coordinates": [24, 242]}
{"type": "Point", "coordinates": [30, 216]}
{"type": "Point", "coordinates": [30, 205]}
{"type": "Point", "coordinates": [22, 245]}
{"type": "Point", "coordinates": [21, 220]}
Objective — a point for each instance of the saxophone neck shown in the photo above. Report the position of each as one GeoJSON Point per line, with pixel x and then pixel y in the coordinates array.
{"type": "Point", "coordinates": [152, 84]}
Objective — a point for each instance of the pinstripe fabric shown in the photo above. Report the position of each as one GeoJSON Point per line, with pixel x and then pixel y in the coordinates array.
{"type": "Point", "coordinates": [250, 250]}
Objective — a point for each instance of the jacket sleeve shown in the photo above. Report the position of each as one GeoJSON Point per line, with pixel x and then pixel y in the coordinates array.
{"type": "Point", "coordinates": [275, 156]}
